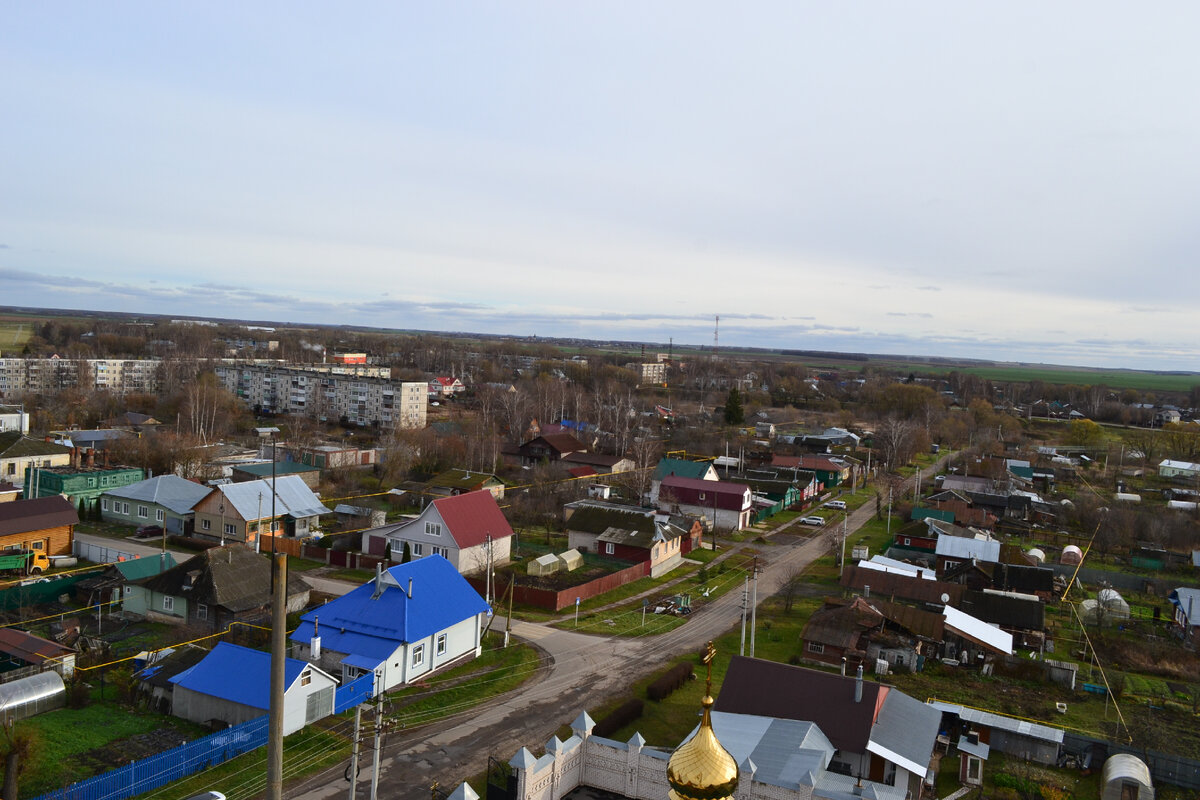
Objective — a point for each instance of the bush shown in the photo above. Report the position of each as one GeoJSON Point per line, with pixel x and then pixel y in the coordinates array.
{"type": "Point", "coordinates": [669, 681]}
{"type": "Point", "coordinates": [620, 716]}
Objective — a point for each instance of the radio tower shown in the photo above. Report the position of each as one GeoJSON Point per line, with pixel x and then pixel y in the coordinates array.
{"type": "Point", "coordinates": [716, 331]}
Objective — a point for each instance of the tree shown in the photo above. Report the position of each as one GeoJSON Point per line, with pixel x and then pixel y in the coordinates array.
{"type": "Point", "coordinates": [1084, 433]}
{"type": "Point", "coordinates": [406, 556]}
{"type": "Point", "coordinates": [734, 414]}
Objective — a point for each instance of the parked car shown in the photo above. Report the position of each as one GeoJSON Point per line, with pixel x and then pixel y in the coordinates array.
{"type": "Point", "coordinates": [150, 530]}
{"type": "Point", "coordinates": [812, 520]}
{"type": "Point", "coordinates": [838, 504]}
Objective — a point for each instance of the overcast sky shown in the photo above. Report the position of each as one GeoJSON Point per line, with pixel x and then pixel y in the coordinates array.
{"type": "Point", "coordinates": [1017, 181]}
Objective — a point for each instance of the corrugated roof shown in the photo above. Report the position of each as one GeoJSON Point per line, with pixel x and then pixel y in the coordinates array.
{"type": "Point", "coordinates": [906, 587]}
{"type": "Point", "coordinates": [169, 491]}
{"type": "Point", "coordinates": [24, 516]}
{"type": "Point", "coordinates": [282, 468]}
{"type": "Point", "coordinates": [371, 623]}
{"type": "Point", "coordinates": [905, 732]}
{"type": "Point", "coordinates": [293, 498]}
{"type": "Point", "coordinates": [786, 752]}
{"type": "Point", "coordinates": [1032, 729]}
{"type": "Point", "coordinates": [252, 668]}
{"type": "Point", "coordinates": [684, 469]}
{"type": "Point", "coordinates": [29, 648]}
{"type": "Point", "coordinates": [464, 479]}
{"type": "Point", "coordinates": [138, 568]}
{"type": "Point", "coordinates": [594, 519]}
{"type": "Point", "coordinates": [964, 548]}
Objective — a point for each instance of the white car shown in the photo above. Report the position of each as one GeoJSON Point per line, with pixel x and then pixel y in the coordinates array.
{"type": "Point", "coordinates": [812, 520]}
{"type": "Point", "coordinates": [838, 504]}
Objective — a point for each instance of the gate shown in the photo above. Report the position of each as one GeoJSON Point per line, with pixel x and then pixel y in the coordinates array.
{"type": "Point", "coordinates": [357, 691]}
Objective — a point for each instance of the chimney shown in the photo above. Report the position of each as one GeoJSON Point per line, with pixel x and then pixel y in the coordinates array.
{"type": "Point", "coordinates": [843, 666]}
{"type": "Point", "coordinates": [314, 644]}
{"type": "Point", "coordinates": [410, 588]}
{"type": "Point", "coordinates": [378, 581]}
{"type": "Point", "coordinates": [858, 686]}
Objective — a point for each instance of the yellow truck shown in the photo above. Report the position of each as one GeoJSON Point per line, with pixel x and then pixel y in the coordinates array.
{"type": "Point", "coordinates": [25, 562]}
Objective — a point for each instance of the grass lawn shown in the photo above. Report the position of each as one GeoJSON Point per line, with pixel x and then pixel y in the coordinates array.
{"type": "Point", "coordinates": [66, 736]}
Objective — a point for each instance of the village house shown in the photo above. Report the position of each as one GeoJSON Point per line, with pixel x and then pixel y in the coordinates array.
{"type": "Point", "coordinates": [46, 525]}
{"type": "Point", "coordinates": [729, 505]}
{"type": "Point", "coordinates": [411, 620]}
{"type": "Point", "coordinates": [667, 467]}
{"type": "Point", "coordinates": [167, 501]}
{"type": "Point", "coordinates": [240, 512]}
{"type": "Point", "coordinates": [468, 530]}
{"type": "Point", "coordinates": [19, 453]}
{"type": "Point", "coordinates": [461, 481]}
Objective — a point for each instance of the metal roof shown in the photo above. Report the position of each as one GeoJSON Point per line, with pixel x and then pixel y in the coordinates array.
{"type": "Point", "coordinates": [978, 631]}
{"type": "Point", "coordinates": [905, 732]}
{"type": "Point", "coordinates": [786, 752]}
{"type": "Point", "coordinates": [371, 622]}
{"type": "Point", "coordinates": [23, 516]}
{"type": "Point", "coordinates": [212, 676]}
{"type": "Point", "coordinates": [1031, 729]}
{"type": "Point", "coordinates": [961, 547]}
{"type": "Point", "coordinates": [292, 497]}
{"type": "Point", "coordinates": [169, 491]}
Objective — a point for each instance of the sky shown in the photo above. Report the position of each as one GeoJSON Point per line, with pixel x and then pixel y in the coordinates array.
{"type": "Point", "coordinates": [1012, 181]}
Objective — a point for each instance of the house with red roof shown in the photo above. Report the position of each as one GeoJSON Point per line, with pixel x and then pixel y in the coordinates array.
{"type": "Point", "coordinates": [728, 505]}
{"type": "Point", "coordinates": [462, 529]}
{"type": "Point", "coordinates": [445, 387]}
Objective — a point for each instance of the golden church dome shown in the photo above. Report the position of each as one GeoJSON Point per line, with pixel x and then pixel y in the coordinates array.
{"type": "Point", "coordinates": [701, 768]}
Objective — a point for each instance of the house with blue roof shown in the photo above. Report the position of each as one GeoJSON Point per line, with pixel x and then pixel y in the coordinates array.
{"type": "Point", "coordinates": [409, 621]}
{"type": "Point", "coordinates": [233, 684]}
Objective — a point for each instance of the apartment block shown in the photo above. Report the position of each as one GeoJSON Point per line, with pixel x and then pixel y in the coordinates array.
{"type": "Point", "coordinates": [328, 394]}
{"type": "Point", "coordinates": [42, 375]}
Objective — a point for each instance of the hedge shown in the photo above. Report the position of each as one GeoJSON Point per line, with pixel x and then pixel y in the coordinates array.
{"type": "Point", "coordinates": [669, 681]}
{"type": "Point", "coordinates": [621, 716]}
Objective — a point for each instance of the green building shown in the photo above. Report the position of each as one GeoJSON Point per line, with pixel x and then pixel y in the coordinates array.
{"type": "Point", "coordinates": [78, 483]}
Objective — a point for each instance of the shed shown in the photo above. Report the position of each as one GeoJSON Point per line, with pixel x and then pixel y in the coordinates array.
{"type": "Point", "coordinates": [1126, 777]}
{"type": "Point", "coordinates": [571, 560]}
{"type": "Point", "coordinates": [1070, 555]}
{"type": "Point", "coordinates": [32, 695]}
{"type": "Point", "coordinates": [543, 565]}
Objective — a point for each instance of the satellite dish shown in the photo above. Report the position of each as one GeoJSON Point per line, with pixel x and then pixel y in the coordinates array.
{"type": "Point", "coordinates": [945, 597]}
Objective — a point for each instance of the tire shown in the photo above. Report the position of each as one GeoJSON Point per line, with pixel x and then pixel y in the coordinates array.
{"type": "Point", "coordinates": [36, 571]}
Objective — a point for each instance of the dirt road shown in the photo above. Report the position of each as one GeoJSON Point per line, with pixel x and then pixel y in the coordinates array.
{"type": "Point", "coordinates": [586, 669]}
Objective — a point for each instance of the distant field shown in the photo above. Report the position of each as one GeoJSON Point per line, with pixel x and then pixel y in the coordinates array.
{"type": "Point", "coordinates": [15, 332]}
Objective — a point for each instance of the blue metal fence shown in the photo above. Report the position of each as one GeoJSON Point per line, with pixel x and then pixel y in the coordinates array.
{"type": "Point", "coordinates": [353, 693]}
{"type": "Point", "coordinates": [187, 759]}
{"type": "Point", "coordinates": [167, 766]}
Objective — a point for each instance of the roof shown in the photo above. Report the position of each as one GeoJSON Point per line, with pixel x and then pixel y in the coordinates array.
{"type": "Point", "coordinates": [641, 539]}
{"type": "Point", "coordinates": [369, 622]}
{"type": "Point", "coordinates": [925, 624]}
{"type": "Point", "coordinates": [1184, 465]}
{"type": "Point", "coordinates": [1183, 597]}
{"type": "Point", "coordinates": [684, 469]}
{"type": "Point", "coordinates": [771, 689]}
{"type": "Point", "coordinates": [905, 732]}
{"type": "Point", "coordinates": [1033, 730]}
{"type": "Point", "coordinates": [726, 495]}
{"type": "Point", "coordinates": [471, 517]}
{"type": "Point", "coordinates": [978, 631]}
{"type": "Point", "coordinates": [558, 442]}
{"type": "Point", "coordinates": [211, 675]}
{"type": "Point", "coordinates": [252, 499]}
{"type": "Point", "coordinates": [906, 587]}
{"type": "Point", "coordinates": [786, 752]}
{"type": "Point", "coordinates": [842, 625]}
{"type": "Point", "coordinates": [1124, 766]}
{"type": "Point", "coordinates": [233, 577]}
{"type": "Point", "coordinates": [29, 648]}
{"type": "Point", "coordinates": [13, 444]}
{"type": "Point", "coordinates": [137, 568]}
{"type": "Point", "coordinates": [281, 468]}
{"type": "Point", "coordinates": [23, 516]}
{"type": "Point", "coordinates": [169, 491]}
{"type": "Point", "coordinates": [594, 519]}
{"type": "Point", "coordinates": [963, 548]}
{"type": "Point", "coordinates": [1005, 609]}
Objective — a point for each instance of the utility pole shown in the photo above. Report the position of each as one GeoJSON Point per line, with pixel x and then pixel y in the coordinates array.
{"type": "Point", "coordinates": [354, 750]}
{"type": "Point", "coordinates": [745, 589]}
{"type": "Point", "coordinates": [378, 747]}
{"type": "Point", "coordinates": [278, 645]}
{"type": "Point", "coordinates": [754, 607]}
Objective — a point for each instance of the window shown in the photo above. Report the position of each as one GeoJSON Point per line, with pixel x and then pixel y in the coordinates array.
{"type": "Point", "coordinates": [608, 548]}
{"type": "Point", "coordinates": [418, 655]}
{"type": "Point", "coordinates": [104, 504]}
{"type": "Point", "coordinates": [816, 647]}
{"type": "Point", "coordinates": [440, 551]}
{"type": "Point", "coordinates": [143, 512]}
{"type": "Point", "coordinates": [230, 529]}
{"type": "Point", "coordinates": [205, 524]}
{"type": "Point", "coordinates": [702, 495]}
{"type": "Point", "coordinates": [907, 540]}
{"type": "Point", "coordinates": [40, 544]}
{"type": "Point", "coordinates": [91, 483]}
{"type": "Point", "coordinates": [158, 515]}
{"type": "Point", "coordinates": [441, 644]}
{"type": "Point", "coordinates": [124, 508]}
{"type": "Point", "coordinates": [168, 603]}
{"type": "Point", "coordinates": [201, 611]}
{"type": "Point", "coordinates": [306, 678]}
{"type": "Point", "coordinates": [128, 591]}
{"type": "Point", "coordinates": [433, 529]}
{"type": "Point", "coordinates": [418, 549]}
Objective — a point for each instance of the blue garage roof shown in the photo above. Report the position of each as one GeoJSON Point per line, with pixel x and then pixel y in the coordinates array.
{"type": "Point", "coordinates": [373, 619]}
{"type": "Point", "coordinates": [214, 675]}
